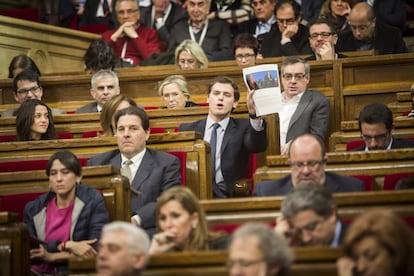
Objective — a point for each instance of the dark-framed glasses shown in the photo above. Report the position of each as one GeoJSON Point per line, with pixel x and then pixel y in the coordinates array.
{"type": "Point", "coordinates": [312, 164]}
{"type": "Point", "coordinates": [245, 56]}
{"type": "Point", "coordinates": [25, 91]}
{"type": "Point", "coordinates": [129, 11]}
{"type": "Point", "coordinates": [322, 34]}
{"type": "Point", "coordinates": [377, 138]}
{"type": "Point", "coordinates": [243, 263]}
{"type": "Point", "coordinates": [309, 228]}
{"type": "Point", "coordinates": [297, 76]}
{"type": "Point", "coordinates": [361, 28]}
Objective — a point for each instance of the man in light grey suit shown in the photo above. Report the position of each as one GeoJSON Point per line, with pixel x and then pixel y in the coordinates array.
{"type": "Point", "coordinates": [307, 160]}
{"type": "Point", "coordinates": [303, 111]}
{"type": "Point", "coordinates": [151, 171]}
{"type": "Point", "coordinates": [104, 86]}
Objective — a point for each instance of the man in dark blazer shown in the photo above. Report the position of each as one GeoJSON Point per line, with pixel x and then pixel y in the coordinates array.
{"type": "Point", "coordinates": [376, 124]}
{"type": "Point", "coordinates": [212, 35]}
{"type": "Point", "coordinates": [310, 218]}
{"type": "Point", "coordinates": [263, 20]}
{"type": "Point", "coordinates": [366, 33]}
{"type": "Point", "coordinates": [151, 172]}
{"type": "Point", "coordinates": [162, 15]}
{"type": "Point", "coordinates": [104, 86]}
{"type": "Point", "coordinates": [290, 38]}
{"type": "Point", "coordinates": [308, 161]}
{"type": "Point", "coordinates": [238, 137]}
{"type": "Point", "coordinates": [302, 110]}
{"type": "Point", "coordinates": [93, 13]}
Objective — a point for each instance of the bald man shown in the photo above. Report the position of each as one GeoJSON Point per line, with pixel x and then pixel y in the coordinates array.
{"type": "Point", "coordinates": [367, 34]}
{"type": "Point", "coordinates": [307, 159]}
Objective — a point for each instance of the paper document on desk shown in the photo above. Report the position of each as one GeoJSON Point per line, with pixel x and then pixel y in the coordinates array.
{"type": "Point", "coordinates": [264, 79]}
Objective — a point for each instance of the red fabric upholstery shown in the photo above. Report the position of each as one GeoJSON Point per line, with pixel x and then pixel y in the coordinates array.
{"type": "Point", "coordinates": [203, 104]}
{"type": "Point", "coordinates": [7, 137]}
{"type": "Point", "coordinates": [368, 181]}
{"type": "Point", "coordinates": [31, 14]}
{"type": "Point", "coordinates": [94, 28]}
{"type": "Point", "coordinates": [154, 130]}
{"type": "Point", "coordinates": [150, 107]}
{"type": "Point", "coordinates": [16, 203]}
{"type": "Point", "coordinates": [390, 180]}
{"type": "Point", "coordinates": [65, 135]}
{"type": "Point", "coordinates": [182, 156]}
{"type": "Point", "coordinates": [354, 144]}
{"type": "Point", "coordinates": [92, 133]}
{"type": "Point", "coordinates": [229, 228]}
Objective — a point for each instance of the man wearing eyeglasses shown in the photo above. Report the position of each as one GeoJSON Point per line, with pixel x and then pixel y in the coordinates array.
{"type": "Point", "coordinates": [309, 217]}
{"type": "Point", "coordinates": [26, 85]}
{"type": "Point", "coordinates": [366, 33]}
{"type": "Point", "coordinates": [290, 38]}
{"type": "Point", "coordinates": [302, 110]}
{"type": "Point", "coordinates": [376, 124]}
{"type": "Point", "coordinates": [263, 20]}
{"type": "Point", "coordinates": [132, 41]}
{"type": "Point", "coordinates": [322, 39]}
{"type": "Point", "coordinates": [256, 250]}
{"type": "Point", "coordinates": [307, 159]}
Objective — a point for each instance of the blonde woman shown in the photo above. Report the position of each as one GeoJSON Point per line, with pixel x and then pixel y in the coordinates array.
{"type": "Point", "coordinates": [189, 55]}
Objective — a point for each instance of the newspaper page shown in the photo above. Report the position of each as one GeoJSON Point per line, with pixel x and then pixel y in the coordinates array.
{"type": "Point", "coordinates": [264, 80]}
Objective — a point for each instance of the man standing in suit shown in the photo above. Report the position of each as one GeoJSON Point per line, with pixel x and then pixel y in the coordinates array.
{"type": "Point", "coordinates": [376, 124]}
{"type": "Point", "coordinates": [366, 33]}
{"type": "Point", "coordinates": [150, 172]}
{"type": "Point", "coordinates": [235, 138]}
{"type": "Point", "coordinates": [213, 35]}
{"type": "Point", "coordinates": [162, 15]}
{"type": "Point", "coordinates": [307, 160]}
{"type": "Point", "coordinates": [104, 86]}
{"type": "Point", "coordinates": [303, 111]}
{"type": "Point", "coordinates": [132, 42]}
{"type": "Point", "coordinates": [309, 217]}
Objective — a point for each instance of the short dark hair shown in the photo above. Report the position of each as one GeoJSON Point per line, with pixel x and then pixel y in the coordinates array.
{"type": "Point", "coordinates": [24, 62]}
{"type": "Point", "coordinates": [295, 6]}
{"type": "Point", "coordinates": [322, 20]}
{"type": "Point", "coordinates": [310, 196]}
{"type": "Point", "coordinates": [25, 119]}
{"type": "Point", "coordinates": [68, 159]}
{"type": "Point", "coordinates": [25, 75]}
{"type": "Point", "coordinates": [224, 79]}
{"type": "Point", "coordinates": [293, 60]}
{"type": "Point", "coordinates": [100, 55]}
{"type": "Point", "coordinates": [376, 113]}
{"type": "Point", "coordinates": [133, 110]}
{"type": "Point", "coordinates": [246, 40]}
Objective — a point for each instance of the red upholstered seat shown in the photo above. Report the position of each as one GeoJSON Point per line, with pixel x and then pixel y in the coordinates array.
{"type": "Point", "coordinates": [7, 137]}
{"type": "Point", "coordinates": [182, 156]}
{"type": "Point", "coordinates": [92, 133]}
{"type": "Point", "coordinates": [390, 180]}
{"type": "Point", "coordinates": [65, 135]}
{"type": "Point", "coordinates": [16, 203]}
{"type": "Point", "coordinates": [149, 107]}
{"type": "Point", "coordinates": [354, 144]}
{"type": "Point", "coordinates": [154, 130]}
{"type": "Point", "coordinates": [31, 14]}
{"type": "Point", "coordinates": [94, 28]}
{"type": "Point", "coordinates": [30, 165]}
{"type": "Point", "coordinates": [368, 181]}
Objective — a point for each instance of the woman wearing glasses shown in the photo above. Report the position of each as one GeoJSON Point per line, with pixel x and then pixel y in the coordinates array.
{"type": "Point", "coordinates": [189, 55]}
{"type": "Point", "coordinates": [34, 121]}
{"type": "Point", "coordinates": [245, 49]}
{"type": "Point", "coordinates": [175, 93]}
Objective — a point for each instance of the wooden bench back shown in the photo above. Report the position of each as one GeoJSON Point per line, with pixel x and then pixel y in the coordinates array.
{"type": "Point", "coordinates": [114, 188]}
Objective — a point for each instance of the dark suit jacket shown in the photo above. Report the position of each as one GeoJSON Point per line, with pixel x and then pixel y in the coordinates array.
{"type": "Point", "coordinates": [177, 13]}
{"type": "Point", "coordinates": [89, 108]}
{"type": "Point", "coordinates": [387, 40]}
{"type": "Point", "coordinates": [217, 41]}
{"type": "Point", "coordinates": [396, 144]}
{"type": "Point", "coordinates": [240, 139]}
{"type": "Point", "coordinates": [311, 116]}
{"type": "Point", "coordinates": [392, 12]}
{"type": "Point", "coordinates": [89, 14]}
{"type": "Point", "coordinates": [299, 45]}
{"type": "Point", "coordinates": [335, 183]}
{"type": "Point", "coordinates": [158, 172]}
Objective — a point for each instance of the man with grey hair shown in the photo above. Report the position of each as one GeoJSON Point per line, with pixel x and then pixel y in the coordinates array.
{"type": "Point", "coordinates": [123, 250]}
{"type": "Point", "coordinates": [307, 159]}
{"type": "Point", "coordinates": [104, 86]}
{"type": "Point", "coordinates": [309, 216]}
{"type": "Point", "coordinates": [255, 249]}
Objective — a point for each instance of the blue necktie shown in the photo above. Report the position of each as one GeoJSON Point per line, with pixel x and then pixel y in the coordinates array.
{"type": "Point", "coordinates": [213, 146]}
{"type": "Point", "coordinates": [105, 7]}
